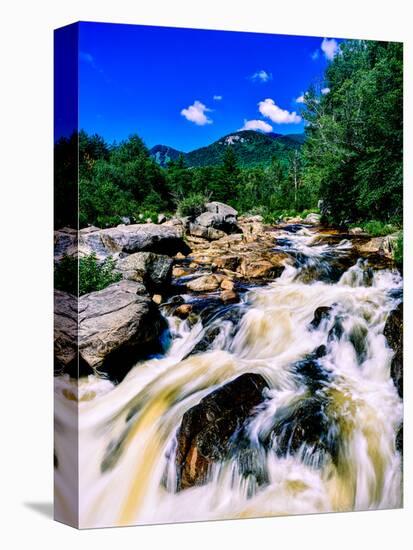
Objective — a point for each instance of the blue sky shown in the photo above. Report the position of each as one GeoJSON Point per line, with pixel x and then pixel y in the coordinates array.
{"type": "Point", "coordinates": [186, 88]}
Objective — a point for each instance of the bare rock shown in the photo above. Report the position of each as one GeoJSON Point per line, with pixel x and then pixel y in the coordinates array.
{"type": "Point", "coordinates": [150, 237]}
{"type": "Point", "coordinates": [153, 270]}
{"type": "Point", "coordinates": [117, 327]}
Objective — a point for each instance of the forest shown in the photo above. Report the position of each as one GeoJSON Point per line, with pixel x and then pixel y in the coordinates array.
{"type": "Point", "coordinates": [350, 164]}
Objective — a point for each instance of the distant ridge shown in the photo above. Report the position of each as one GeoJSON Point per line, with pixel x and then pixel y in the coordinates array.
{"type": "Point", "coordinates": [251, 149]}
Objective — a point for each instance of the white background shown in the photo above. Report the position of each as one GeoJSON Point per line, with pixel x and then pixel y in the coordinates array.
{"type": "Point", "coordinates": [26, 428]}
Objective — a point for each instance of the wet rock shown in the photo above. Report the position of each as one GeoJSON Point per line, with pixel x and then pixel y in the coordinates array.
{"type": "Point", "coordinates": [378, 245]}
{"type": "Point", "coordinates": [229, 297]}
{"type": "Point", "coordinates": [306, 422]}
{"type": "Point", "coordinates": [205, 283]}
{"type": "Point", "coordinates": [153, 270]}
{"type": "Point", "coordinates": [399, 440]}
{"type": "Point", "coordinates": [252, 466]}
{"type": "Point", "coordinates": [227, 284]}
{"type": "Point", "coordinates": [393, 331]}
{"type": "Point", "coordinates": [207, 429]}
{"type": "Point", "coordinates": [259, 269]}
{"type": "Point", "coordinates": [230, 262]}
{"type": "Point", "coordinates": [117, 327]}
{"type": "Point", "coordinates": [320, 314]}
{"type": "Point", "coordinates": [311, 371]}
{"type": "Point", "coordinates": [183, 311]}
{"type": "Point", "coordinates": [178, 271]}
{"type": "Point", "coordinates": [157, 299]}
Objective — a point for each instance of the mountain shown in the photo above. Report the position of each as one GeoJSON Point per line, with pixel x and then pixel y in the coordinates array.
{"type": "Point", "coordinates": [251, 149]}
{"type": "Point", "coordinates": [162, 154]}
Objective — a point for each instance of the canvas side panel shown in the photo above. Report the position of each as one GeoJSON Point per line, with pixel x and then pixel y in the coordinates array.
{"type": "Point", "coordinates": [66, 445]}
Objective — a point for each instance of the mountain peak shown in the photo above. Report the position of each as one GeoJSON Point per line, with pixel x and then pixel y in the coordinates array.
{"type": "Point", "coordinates": [251, 148]}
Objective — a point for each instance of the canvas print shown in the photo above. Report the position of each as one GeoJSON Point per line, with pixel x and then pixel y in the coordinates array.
{"type": "Point", "coordinates": [228, 275]}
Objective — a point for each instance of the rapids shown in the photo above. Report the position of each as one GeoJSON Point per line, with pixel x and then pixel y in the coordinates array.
{"type": "Point", "coordinates": [127, 433]}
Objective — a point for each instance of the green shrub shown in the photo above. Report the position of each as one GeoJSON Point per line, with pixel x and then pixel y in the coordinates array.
{"type": "Point", "coordinates": [192, 205]}
{"type": "Point", "coordinates": [144, 215]}
{"type": "Point", "coordinates": [96, 276]}
{"type": "Point", "coordinates": [92, 275]}
{"type": "Point", "coordinates": [398, 250]}
{"type": "Point", "coordinates": [376, 228]}
{"type": "Point", "coordinates": [65, 275]}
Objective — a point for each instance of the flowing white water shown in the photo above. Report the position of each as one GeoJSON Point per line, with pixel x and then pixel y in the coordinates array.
{"type": "Point", "coordinates": [127, 433]}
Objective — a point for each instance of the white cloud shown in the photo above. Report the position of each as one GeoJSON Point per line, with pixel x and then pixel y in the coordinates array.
{"type": "Point", "coordinates": [300, 99]}
{"type": "Point", "coordinates": [257, 125]}
{"type": "Point", "coordinates": [269, 109]}
{"type": "Point", "coordinates": [87, 57]}
{"type": "Point", "coordinates": [329, 47]}
{"type": "Point", "coordinates": [261, 76]}
{"type": "Point", "coordinates": [196, 113]}
{"type": "Point", "coordinates": [325, 91]}
{"type": "Point", "coordinates": [315, 55]}
{"type": "Point", "coordinates": [217, 97]}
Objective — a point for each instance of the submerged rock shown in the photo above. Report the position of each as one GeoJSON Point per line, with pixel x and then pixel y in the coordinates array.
{"type": "Point", "coordinates": [117, 327]}
{"type": "Point", "coordinates": [393, 331]}
{"type": "Point", "coordinates": [320, 314]}
{"type": "Point", "coordinates": [305, 426]}
{"type": "Point", "coordinates": [207, 429]}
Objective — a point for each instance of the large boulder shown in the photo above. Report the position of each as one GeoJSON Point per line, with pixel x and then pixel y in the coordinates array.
{"type": "Point", "coordinates": [218, 216]}
{"type": "Point", "coordinates": [393, 331]}
{"type": "Point", "coordinates": [153, 270]}
{"type": "Point", "coordinates": [205, 232]}
{"type": "Point", "coordinates": [206, 431]}
{"type": "Point", "coordinates": [66, 333]}
{"type": "Point", "coordinates": [90, 242]}
{"type": "Point", "coordinates": [117, 327]}
{"type": "Point", "coordinates": [65, 243]}
{"type": "Point", "coordinates": [149, 237]}
{"type": "Point", "coordinates": [221, 209]}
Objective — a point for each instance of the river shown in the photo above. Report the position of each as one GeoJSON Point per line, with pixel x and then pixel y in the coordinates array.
{"type": "Point", "coordinates": [335, 372]}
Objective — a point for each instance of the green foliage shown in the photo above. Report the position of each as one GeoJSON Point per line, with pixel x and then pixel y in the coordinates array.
{"type": "Point", "coordinates": [192, 205]}
{"type": "Point", "coordinates": [96, 276]}
{"type": "Point", "coordinates": [120, 181]}
{"type": "Point", "coordinates": [91, 274]}
{"type": "Point", "coordinates": [376, 228]}
{"type": "Point", "coordinates": [353, 152]}
{"type": "Point", "coordinates": [66, 275]}
{"type": "Point", "coordinates": [398, 250]}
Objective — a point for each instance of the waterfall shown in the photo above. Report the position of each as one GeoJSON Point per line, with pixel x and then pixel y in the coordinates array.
{"type": "Point", "coordinates": [346, 459]}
